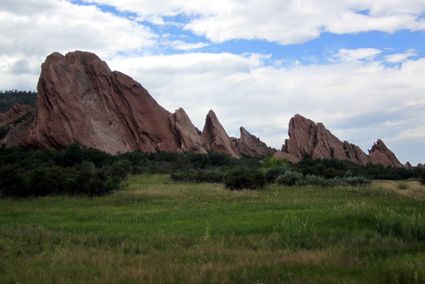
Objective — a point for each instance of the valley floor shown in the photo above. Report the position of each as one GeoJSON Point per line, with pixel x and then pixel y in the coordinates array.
{"type": "Point", "coordinates": [157, 231]}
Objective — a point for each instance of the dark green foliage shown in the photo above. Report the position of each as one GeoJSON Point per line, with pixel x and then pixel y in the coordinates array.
{"type": "Point", "coordinates": [245, 179]}
{"type": "Point", "coordinates": [336, 168]}
{"type": "Point", "coordinates": [9, 98]}
{"type": "Point", "coordinates": [120, 169]}
{"type": "Point", "coordinates": [289, 178]}
{"type": "Point", "coordinates": [295, 178]}
{"type": "Point", "coordinates": [212, 176]}
{"type": "Point", "coordinates": [75, 170]}
{"type": "Point", "coordinates": [274, 172]}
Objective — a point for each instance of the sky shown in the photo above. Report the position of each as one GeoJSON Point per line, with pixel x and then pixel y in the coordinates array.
{"type": "Point", "coordinates": [358, 66]}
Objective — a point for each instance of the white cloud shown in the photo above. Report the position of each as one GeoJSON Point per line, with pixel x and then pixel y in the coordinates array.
{"type": "Point", "coordinates": [357, 54]}
{"type": "Point", "coordinates": [182, 45]}
{"type": "Point", "coordinates": [41, 27]}
{"type": "Point", "coordinates": [401, 57]}
{"type": "Point", "coordinates": [286, 22]}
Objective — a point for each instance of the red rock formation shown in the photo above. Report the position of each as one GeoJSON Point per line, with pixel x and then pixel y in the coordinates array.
{"type": "Point", "coordinates": [215, 137]}
{"type": "Point", "coordinates": [15, 113]}
{"type": "Point", "coordinates": [286, 156]}
{"type": "Point", "coordinates": [251, 146]}
{"type": "Point", "coordinates": [80, 100]}
{"type": "Point", "coordinates": [408, 166]}
{"type": "Point", "coordinates": [16, 122]}
{"type": "Point", "coordinates": [381, 155]}
{"type": "Point", "coordinates": [188, 136]}
{"type": "Point", "coordinates": [310, 140]}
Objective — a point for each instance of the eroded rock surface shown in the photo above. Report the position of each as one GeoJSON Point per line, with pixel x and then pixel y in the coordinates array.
{"type": "Point", "coordinates": [251, 146]}
{"type": "Point", "coordinates": [381, 155]}
{"type": "Point", "coordinates": [188, 136]}
{"type": "Point", "coordinates": [215, 137]}
{"type": "Point", "coordinates": [80, 100]}
{"type": "Point", "coordinates": [17, 112]}
{"type": "Point", "coordinates": [310, 140]}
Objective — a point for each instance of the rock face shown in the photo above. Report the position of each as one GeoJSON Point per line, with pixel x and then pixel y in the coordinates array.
{"type": "Point", "coordinates": [14, 125]}
{"type": "Point", "coordinates": [15, 113]}
{"type": "Point", "coordinates": [310, 140]}
{"type": "Point", "coordinates": [188, 136]}
{"type": "Point", "coordinates": [250, 146]}
{"type": "Point", "coordinates": [215, 137]}
{"type": "Point", "coordinates": [80, 100]}
{"type": "Point", "coordinates": [381, 155]}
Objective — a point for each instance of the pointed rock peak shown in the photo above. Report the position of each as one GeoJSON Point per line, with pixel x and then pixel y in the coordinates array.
{"type": "Point", "coordinates": [379, 145]}
{"type": "Point", "coordinates": [211, 115]}
{"type": "Point", "coordinates": [187, 135]}
{"type": "Point", "coordinates": [381, 155]}
{"type": "Point", "coordinates": [215, 137]}
{"type": "Point", "coordinates": [251, 146]}
{"type": "Point", "coordinates": [244, 131]}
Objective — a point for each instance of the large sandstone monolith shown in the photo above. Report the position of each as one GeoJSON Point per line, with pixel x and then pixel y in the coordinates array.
{"type": "Point", "coordinates": [80, 100]}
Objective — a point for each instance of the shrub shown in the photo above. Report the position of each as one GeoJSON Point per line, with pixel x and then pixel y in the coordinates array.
{"type": "Point", "coordinates": [274, 172]}
{"type": "Point", "coordinates": [245, 179]}
{"type": "Point", "coordinates": [354, 181]}
{"type": "Point", "coordinates": [314, 180]}
{"type": "Point", "coordinates": [120, 169]}
{"type": "Point", "coordinates": [289, 178]}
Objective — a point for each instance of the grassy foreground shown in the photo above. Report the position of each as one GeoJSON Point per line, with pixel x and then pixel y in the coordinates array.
{"type": "Point", "coordinates": [157, 231]}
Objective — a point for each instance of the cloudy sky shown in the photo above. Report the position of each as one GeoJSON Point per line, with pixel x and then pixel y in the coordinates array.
{"type": "Point", "coordinates": [356, 65]}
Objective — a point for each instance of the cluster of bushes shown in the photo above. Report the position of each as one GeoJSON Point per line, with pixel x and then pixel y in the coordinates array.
{"type": "Point", "coordinates": [294, 178]}
{"type": "Point", "coordinates": [165, 162]}
{"type": "Point", "coordinates": [239, 179]}
{"type": "Point", "coordinates": [27, 172]}
{"type": "Point", "coordinates": [72, 171]}
{"type": "Point", "coordinates": [83, 179]}
{"type": "Point", "coordinates": [335, 168]}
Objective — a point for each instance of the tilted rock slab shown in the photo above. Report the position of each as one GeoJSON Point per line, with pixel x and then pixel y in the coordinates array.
{"type": "Point", "coordinates": [80, 100]}
{"type": "Point", "coordinates": [310, 140]}
{"type": "Point", "coordinates": [381, 155]}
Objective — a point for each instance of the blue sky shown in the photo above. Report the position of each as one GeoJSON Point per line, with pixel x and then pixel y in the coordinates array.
{"type": "Point", "coordinates": [356, 65]}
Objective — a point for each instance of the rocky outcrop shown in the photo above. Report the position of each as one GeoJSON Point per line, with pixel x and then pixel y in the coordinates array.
{"type": "Point", "coordinates": [250, 146]}
{"type": "Point", "coordinates": [280, 155]}
{"type": "Point", "coordinates": [408, 166]}
{"type": "Point", "coordinates": [215, 137]}
{"type": "Point", "coordinates": [14, 125]}
{"type": "Point", "coordinates": [17, 112]}
{"type": "Point", "coordinates": [310, 140]}
{"type": "Point", "coordinates": [80, 100]}
{"type": "Point", "coordinates": [381, 155]}
{"type": "Point", "coordinates": [188, 136]}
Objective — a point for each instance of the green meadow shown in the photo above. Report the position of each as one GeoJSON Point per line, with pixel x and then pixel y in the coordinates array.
{"type": "Point", "coordinates": [159, 231]}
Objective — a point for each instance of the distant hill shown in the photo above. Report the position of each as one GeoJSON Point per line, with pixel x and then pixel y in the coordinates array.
{"type": "Point", "coordinates": [9, 98]}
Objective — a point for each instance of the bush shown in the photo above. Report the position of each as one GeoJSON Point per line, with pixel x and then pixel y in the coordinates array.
{"type": "Point", "coordinates": [314, 180]}
{"type": "Point", "coordinates": [289, 178]}
{"type": "Point", "coordinates": [353, 181]}
{"type": "Point", "coordinates": [198, 176]}
{"type": "Point", "coordinates": [245, 179]}
{"type": "Point", "coordinates": [274, 172]}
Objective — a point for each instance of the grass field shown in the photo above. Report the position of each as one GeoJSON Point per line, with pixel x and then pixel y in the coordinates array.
{"type": "Point", "coordinates": [157, 231]}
